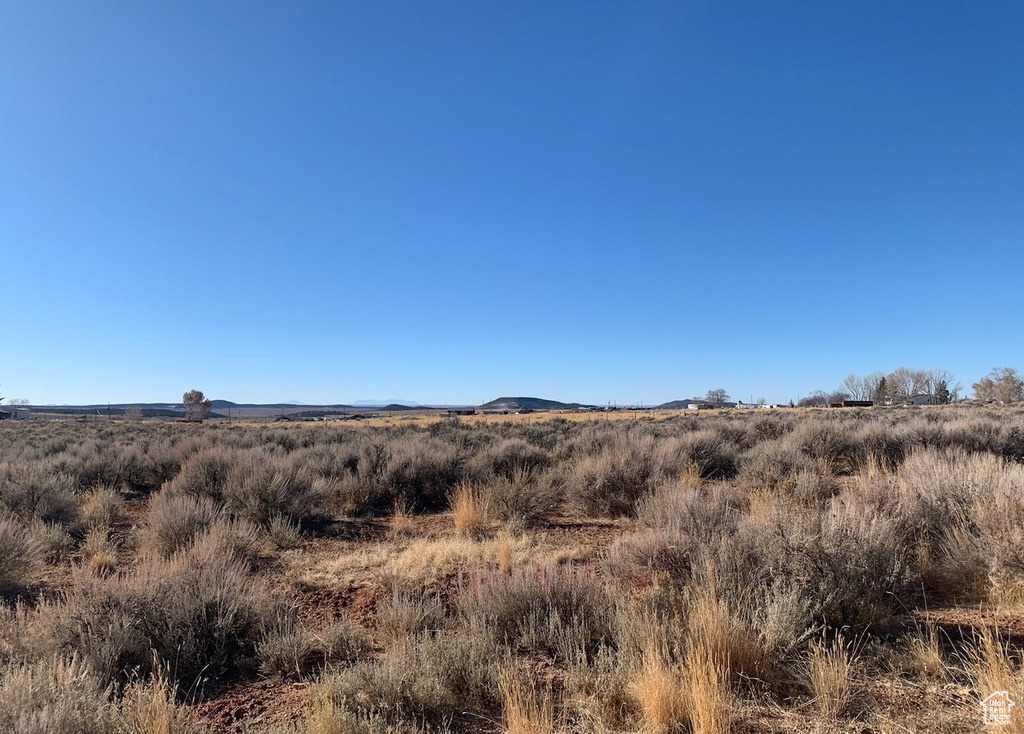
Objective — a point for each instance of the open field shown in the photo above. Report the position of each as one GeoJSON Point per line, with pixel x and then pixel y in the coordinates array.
{"type": "Point", "coordinates": [748, 571]}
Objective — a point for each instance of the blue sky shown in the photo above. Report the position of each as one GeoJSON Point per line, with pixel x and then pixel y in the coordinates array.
{"type": "Point", "coordinates": [452, 201]}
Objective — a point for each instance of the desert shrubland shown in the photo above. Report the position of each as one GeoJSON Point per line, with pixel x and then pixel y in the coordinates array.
{"type": "Point", "coordinates": [673, 575]}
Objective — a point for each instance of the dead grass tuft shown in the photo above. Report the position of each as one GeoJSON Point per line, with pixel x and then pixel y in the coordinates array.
{"type": "Point", "coordinates": [469, 509]}
{"type": "Point", "coordinates": [526, 709]}
{"type": "Point", "coordinates": [829, 669]}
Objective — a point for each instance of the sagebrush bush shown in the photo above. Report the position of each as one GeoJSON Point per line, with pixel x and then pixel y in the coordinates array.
{"type": "Point", "coordinates": [773, 466]}
{"type": "Point", "coordinates": [342, 642]}
{"type": "Point", "coordinates": [511, 458]}
{"type": "Point", "coordinates": [19, 554]}
{"type": "Point", "coordinates": [406, 616]}
{"type": "Point", "coordinates": [611, 482]}
{"type": "Point", "coordinates": [560, 610]}
{"type": "Point", "coordinates": [522, 500]}
{"type": "Point", "coordinates": [286, 650]}
{"type": "Point", "coordinates": [425, 681]}
{"type": "Point", "coordinates": [828, 441]}
{"type": "Point", "coordinates": [174, 520]}
{"type": "Point", "coordinates": [195, 613]}
{"type": "Point", "coordinates": [702, 454]}
{"type": "Point", "coordinates": [38, 491]}
{"type": "Point", "coordinates": [204, 474]}
{"type": "Point", "coordinates": [848, 559]}
{"type": "Point", "coordinates": [261, 488]}
{"type": "Point", "coordinates": [679, 523]}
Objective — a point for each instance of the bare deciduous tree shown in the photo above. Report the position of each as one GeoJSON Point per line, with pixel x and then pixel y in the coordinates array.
{"type": "Point", "coordinates": [196, 405]}
{"type": "Point", "coordinates": [717, 397]}
{"type": "Point", "coordinates": [901, 382]}
{"type": "Point", "coordinates": [1002, 384]}
{"type": "Point", "coordinates": [817, 399]}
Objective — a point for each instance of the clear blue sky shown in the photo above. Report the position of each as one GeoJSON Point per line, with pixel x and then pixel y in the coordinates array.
{"type": "Point", "coordinates": [452, 201]}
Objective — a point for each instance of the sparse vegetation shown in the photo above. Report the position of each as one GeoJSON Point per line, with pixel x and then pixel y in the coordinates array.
{"type": "Point", "coordinates": [672, 575]}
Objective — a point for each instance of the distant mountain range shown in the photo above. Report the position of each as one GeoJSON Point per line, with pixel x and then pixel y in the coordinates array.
{"type": "Point", "coordinates": [370, 403]}
{"type": "Point", "coordinates": [295, 409]}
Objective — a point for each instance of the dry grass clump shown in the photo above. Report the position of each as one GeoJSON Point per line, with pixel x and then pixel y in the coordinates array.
{"type": "Point", "coordinates": [525, 709]}
{"type": "Point", "coordinates": [469, 509]}
{"type": "Point", "coordinates": [103, 507]}
{"type": "Point", "coordinates": [924, 654]}
{"type": "Point", "coordinates": [994, 666]}
{"type": "Point", "coordinates": [326, 717]}
{"type": "Point", "coordinates": [402, 524]}
{"type": "Point", "coordinates": [711, 700]}
{"type": "Point", "coordinates": [98, 553]}
{"type": "Point", "coordinates": [151, 708]}
{"type": "Point", "coordinates": [690, 664]}
{"type": "Point", "coordinates": [829, 676]}
{"type": "Point", "coordinates": [59, 696]}
{"type": "Point", "coordinates": [724, 632]}
{"type": "Point", "coordinates": [601, 691]}
{"type": "Point", "coordinates": [505, 551]}
{"type": "Point", "coordinates": [662, 695]}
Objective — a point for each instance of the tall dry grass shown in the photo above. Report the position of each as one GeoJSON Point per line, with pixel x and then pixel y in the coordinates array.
{"type": "Point", "coordinates": [829, 669]}
{"type": "Point", "coordinates": [526, 708]}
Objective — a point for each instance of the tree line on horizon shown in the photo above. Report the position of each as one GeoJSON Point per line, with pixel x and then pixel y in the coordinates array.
{"type": "Point", "coordinates": [1001, 384]}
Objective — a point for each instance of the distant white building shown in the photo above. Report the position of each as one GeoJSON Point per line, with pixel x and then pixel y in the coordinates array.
{"type": "Point", "coordinates": [15, 412]}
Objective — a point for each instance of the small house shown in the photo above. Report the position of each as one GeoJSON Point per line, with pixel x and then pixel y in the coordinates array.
{"type": "Point", "coordinates": [15, 412]}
